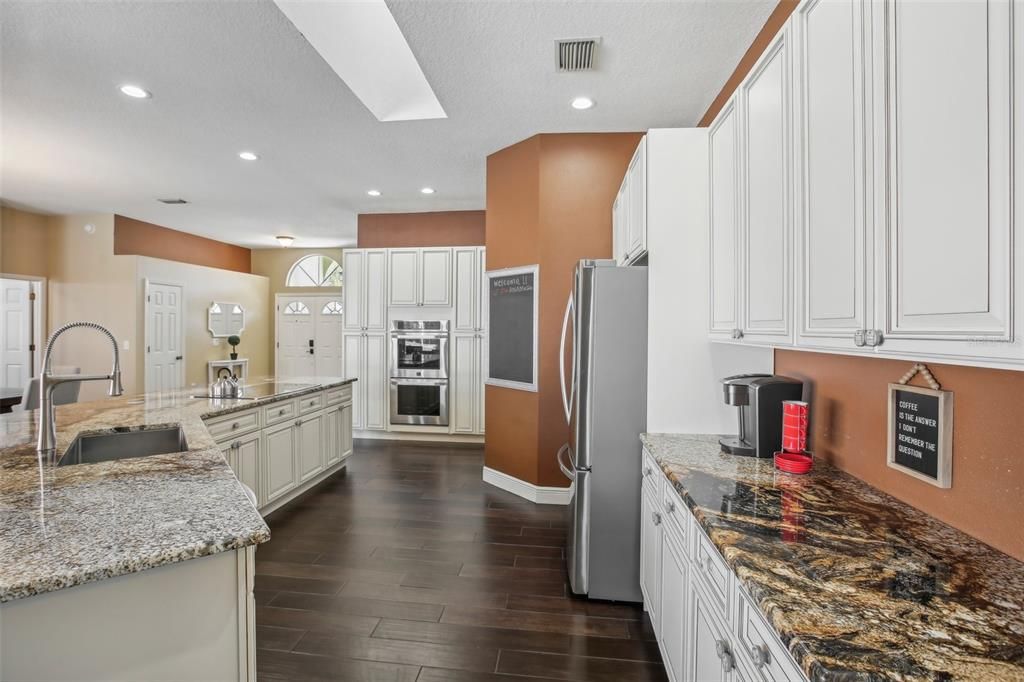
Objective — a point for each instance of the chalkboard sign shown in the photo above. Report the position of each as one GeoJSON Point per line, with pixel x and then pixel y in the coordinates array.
{"type": "Point", "coordinates": [512, 327]}
{"type": "Point", "coordinates": [921, 433]}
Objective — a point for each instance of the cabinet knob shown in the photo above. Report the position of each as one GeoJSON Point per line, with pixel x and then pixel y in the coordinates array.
{"type": "Point", "coordinates": [298, 422]}
{"type": "Point", "coordinates": [706, 564]}
{"type": "Point", "coordinates": [671, 507]}
{"type": "Point", "coordinates": [234, 425]}
{"type": "Point", "coordinates": [725, 655]}
{"type": "Point", "coordinates": [280, 412]}
{"type": "Point", "coordinates": [237, 444]}
{"type": "Point", "coordinates": [858, 338]}
{"type": "Point", "coordinates": [759, 654]}
{"type": "Point", "coordinates": [656, 517]}
{"type": "Point", "coordinates": [647, 471]}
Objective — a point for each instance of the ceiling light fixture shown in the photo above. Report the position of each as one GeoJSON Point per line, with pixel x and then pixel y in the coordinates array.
{"type": "Point", "coordinates": [248, 156]}
{"type": "Point", "coordinates": [135, 91]}
{"type": "Point", "coordinates": [373, 192]}
{"type": "Point", "coordinates": [581, 103]}
{"type": "Point", "coordinates": [284, 240]}
{"type": "Point", "coordinates": [427, 190]}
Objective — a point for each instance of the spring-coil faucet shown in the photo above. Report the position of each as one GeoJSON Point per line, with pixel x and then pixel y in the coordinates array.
{"type": "Point", "coordinates": [47, 443]}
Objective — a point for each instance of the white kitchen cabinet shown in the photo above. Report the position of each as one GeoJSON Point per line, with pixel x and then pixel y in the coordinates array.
{"type": "Point", "coordinates": [672, 604]}
{"type": "Point", "coordinates": [765, 219]}
{"type": "Point", "coordinates": [468, 374]}
{"type": "Point", "coordinates": [629, 210]}
{"type": "Point", "coordinates": [337, 434]}
{"type": "Point", "coordinates": [420, 277]}
{"type": "Point", "coordinates": [366, 360]}
{"type": "Point", "coordinates": [364, 292]}
{"type": "Point", "coordinates": [470, 305]}
{"type": "Point", "coordinates": [944, 120]}
{"type": "Point", "coordinates": [833, 222]}
{"type": "Point", "coordinates": [710, 656]}
{"type": "Point", "coordinates": [309, 432]}
{"type": "Point", "coordinates": [243, 456]}
{"type": "Point", "coordinates": [723, 140]}
{"type": "Point", "coordinates": [650, 554]}
{"type": "Point", "coordinates": [279, 466]}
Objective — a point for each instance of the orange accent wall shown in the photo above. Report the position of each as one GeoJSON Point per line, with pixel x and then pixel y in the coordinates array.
{"type": "Point", "coordinates": [436, 228]}
{"type": "Point", "coordinates": [549, 202]}
{"type": "Point", "coordinates": [775, 22]}
{"type": "Point", "coordinates": [849, 426]}
{"type": "Point", "coordinates": [137, 238]}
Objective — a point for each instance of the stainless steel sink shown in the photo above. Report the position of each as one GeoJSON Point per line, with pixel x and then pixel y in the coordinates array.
{"type": "Point", "coordinates": [106, 447]}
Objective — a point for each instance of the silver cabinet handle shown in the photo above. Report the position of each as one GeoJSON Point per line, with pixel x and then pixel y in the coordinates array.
{"type": "Point", "coordinates": [721, 647]}
{"type": "Point", "coordinates": [858, 338]}
{"type": "Point", "coordinates": [236, 445]}
{"type": "Point", "coordinates": [671, 507]}
{"type": "Point", "coordinates": [656, 517]}
{"type": "Point", "coordinates": [725, 655]}
{"type": "Point", "coordinates": [759, 654]}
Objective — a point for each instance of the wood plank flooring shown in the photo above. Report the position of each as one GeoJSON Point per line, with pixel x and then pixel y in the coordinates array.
{"type": "Point", "coordinates": [407, 567]}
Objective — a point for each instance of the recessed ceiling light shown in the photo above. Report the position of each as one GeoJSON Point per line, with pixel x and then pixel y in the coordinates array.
{"type": "Point", "coordinates": [373, 192]}
{"type": "Point", "coordinates": [248, 156]}
{"type": "Point", "coordinates": [582, 103]}
{"type": "Point", "coordinates": [284, 240]}
{"type": "Point", "coordinates": [173, 202]}
{"type": "Point", "coordinates": [427, 190]}
{"type": "Point", "coordinates": [135, 91]}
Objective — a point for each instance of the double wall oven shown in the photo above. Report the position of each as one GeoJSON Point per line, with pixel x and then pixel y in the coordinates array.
{"type": "Point", "coordinates": [419, 372]}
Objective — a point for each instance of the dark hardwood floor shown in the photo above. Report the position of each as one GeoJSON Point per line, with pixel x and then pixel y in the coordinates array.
{"type": "Point", "coordinates": [408, 567]}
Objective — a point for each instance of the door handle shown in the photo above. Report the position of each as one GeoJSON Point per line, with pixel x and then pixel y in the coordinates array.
{"type": "Point", "coordinates": [568, 471]}
{"type": "Point", "coordinates": [567, 396]}
{"type": "Point", "coordinates": [178, 357]}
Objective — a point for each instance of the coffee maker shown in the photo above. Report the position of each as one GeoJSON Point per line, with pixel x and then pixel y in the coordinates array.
{"type": "Point", "coordinates": [759, 399]}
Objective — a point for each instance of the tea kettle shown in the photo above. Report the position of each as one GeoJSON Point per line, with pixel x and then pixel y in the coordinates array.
{"type": "Point", "coordinates": [224, 386]}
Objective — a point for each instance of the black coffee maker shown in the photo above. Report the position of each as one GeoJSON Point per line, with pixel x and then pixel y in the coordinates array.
{"type": "Point", "coordinates": [759, 399]}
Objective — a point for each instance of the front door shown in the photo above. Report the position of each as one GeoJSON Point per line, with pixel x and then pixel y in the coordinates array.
{"type": "Point", "coordinates": [165, 340]}
{"type": "Point", "coordinates": [309, 336]}
{"type": "Point", "coordinates": [15, 311]}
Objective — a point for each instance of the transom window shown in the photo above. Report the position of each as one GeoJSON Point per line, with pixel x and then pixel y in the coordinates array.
{"type": "Point", "coordinates": [296, 308]}
{"type": "Point", "coordinates": [331, 308]}
{"type": "Point", "coordinates": [314, 270]}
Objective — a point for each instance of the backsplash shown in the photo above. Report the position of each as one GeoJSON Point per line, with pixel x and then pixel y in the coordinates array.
{"type": "Point", "coordinates": [848, 429]}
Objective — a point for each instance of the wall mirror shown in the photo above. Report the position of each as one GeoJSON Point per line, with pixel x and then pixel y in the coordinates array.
{"type": "Point", "coordinates": [225, 319]}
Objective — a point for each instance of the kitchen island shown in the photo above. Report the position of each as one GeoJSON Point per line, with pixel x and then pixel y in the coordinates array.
{"type": "Point", "coordinates": [855, 584]}
{"type": "Point", "coordinates": [158, 550]}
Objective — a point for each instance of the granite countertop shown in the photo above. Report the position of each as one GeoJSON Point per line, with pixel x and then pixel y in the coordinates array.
{"type": "Point", "coordinates": [65, 526]}
{"type": "Point", "coordinates": [858, 585]}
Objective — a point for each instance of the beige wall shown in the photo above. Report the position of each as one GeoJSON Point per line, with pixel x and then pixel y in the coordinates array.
{"type": "Point", "coordinates": [88, 282]}
{"type": "Point", "coordinates": [24, 242]}
{"type": "Point", "coordinates": [204, 285]}
{"type": "Point", "coordinates": [274, 264]}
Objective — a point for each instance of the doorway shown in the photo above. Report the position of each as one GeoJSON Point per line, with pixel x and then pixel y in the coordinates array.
{"type": "Point", "coordinates": [165, 336]}
{"type": "Point", "coordinates": [308, 335]}
{"type": "Point", "coordinates": [23, 312]}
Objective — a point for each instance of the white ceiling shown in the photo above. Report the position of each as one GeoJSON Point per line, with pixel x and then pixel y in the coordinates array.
{"type": "Point", "coordinates": [228, 76]}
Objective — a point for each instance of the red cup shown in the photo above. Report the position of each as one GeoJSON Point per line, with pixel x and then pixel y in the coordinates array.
{"type": "Point", "coordinates": [795, 416]}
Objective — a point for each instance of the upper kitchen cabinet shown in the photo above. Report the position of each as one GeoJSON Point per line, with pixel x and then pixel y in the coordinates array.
{"type": "Point", "coordinates": [944, 180]}
{"type": "Point", "coordinates": [420, 277]}
{"type": "Point", "coordinates": [364, 292]}
{"type": "Point", "coordinates": [765, 223]}
{"type": "Point", "coordinates": [629, 211]}
{"type": "Point", "coordinates": [469, 289]}
{"type": "Point", "coordinates": [724, 203]}
{"type": "Point", "coordinates": [833, 225]}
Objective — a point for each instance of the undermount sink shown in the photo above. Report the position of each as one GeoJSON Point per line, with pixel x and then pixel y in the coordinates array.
{"type": "Point", "coordinates": [107, 447]}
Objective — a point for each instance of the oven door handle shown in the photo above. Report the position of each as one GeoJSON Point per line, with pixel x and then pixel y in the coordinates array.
{"type": "Point", "coordinates": [420, 382]}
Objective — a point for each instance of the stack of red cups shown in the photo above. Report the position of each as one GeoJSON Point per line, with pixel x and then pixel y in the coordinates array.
{"type": "Point", "coordinates": [794, 458]}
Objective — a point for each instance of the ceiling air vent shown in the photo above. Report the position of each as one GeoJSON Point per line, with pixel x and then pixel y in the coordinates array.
{"type": "Point", "coordinates": [174, 202]}
{"type": "Point", "coordinates": [576, 54]}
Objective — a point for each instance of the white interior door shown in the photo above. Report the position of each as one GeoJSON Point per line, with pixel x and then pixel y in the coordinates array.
{"type": "Point", "coordinates": [165, 337]}
{"type": "Point", "coordinates": [329, 352]}
{"type": "Point", "coordinates": [15, 311]}
{"type": "Point", "coordinates": [296, 337]}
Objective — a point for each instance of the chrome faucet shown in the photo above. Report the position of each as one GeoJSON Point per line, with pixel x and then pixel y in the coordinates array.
{"type": "Point", "coordinates": [47, 444]}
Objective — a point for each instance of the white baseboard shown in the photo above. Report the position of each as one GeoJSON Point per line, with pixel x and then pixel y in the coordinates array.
{"type": "Point", "coordinates": [534, 493]}
{"type": "Point", "coordinates": [417, 435]}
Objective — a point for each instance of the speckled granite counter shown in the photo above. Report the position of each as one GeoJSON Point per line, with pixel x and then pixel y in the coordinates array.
{"type": "Point", "coordinates": [857, 584]}
{"type": "Point", "coordinates": [64, 526]}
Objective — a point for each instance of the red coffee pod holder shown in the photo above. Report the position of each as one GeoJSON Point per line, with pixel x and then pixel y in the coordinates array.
{"type": "Point", "coordinates": [793, 462]}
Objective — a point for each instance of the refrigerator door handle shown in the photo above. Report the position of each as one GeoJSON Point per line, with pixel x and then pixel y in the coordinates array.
{"type": "Point", "coordinates": [567, 470]}
{"type": "Point", "coordinates": [568, 396]}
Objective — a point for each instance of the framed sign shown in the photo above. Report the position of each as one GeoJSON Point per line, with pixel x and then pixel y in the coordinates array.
{"type": "Point", "coordinates": [513, 303]}
{"type": "Point", "coordinates": [921, 431]}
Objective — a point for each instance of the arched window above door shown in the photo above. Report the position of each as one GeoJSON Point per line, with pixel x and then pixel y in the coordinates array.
{"type": "Point", "coordinates": [331, 308]}
{"type": "Point", "coordinates": [296, 308]}
{"type": "Point", "coordinates": [314, 270]}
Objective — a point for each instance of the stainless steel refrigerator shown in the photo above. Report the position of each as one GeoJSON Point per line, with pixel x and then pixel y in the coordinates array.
{"type": "Point", "coordinates": [604, 394]}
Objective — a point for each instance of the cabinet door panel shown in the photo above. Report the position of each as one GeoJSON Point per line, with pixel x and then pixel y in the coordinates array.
{"type": "Point", "coordinates": [333, 439]}
{"type": "Point", "coordinates": [376, 284]}
{"type": "Point", "coordinates": [346, 431]}
{"type": "Point", "coordinates": [279, 466]}
{"type": "Point", "coordinates": [724, 200]}
{"type": "Point", "coordinates": [247, 463]}
{"type": "Point", "coordinates": [354, 348]}
{"type": "Point", "coordinates": [705, 639]}
{"type": "Point", "coordinates": [435, 277]}
{"type": "Point", "coordinates": [620, 248]}
{"type": "Point", "coordinates": [467, 290]}
{"type": "Point", "coordinates": [765, 98]}
{"type": "Point", "coordinates": [949, 133]}
{"type": "Point", "coordinates": [636, 223]}
{"type": "Point", "coordinates": [354, 292]}
{"type": "Point", "coordinates": [375, 378]}
{"type": "Point", "coordinates": [672, 613]}
{"type": "Point", "coordinates": [464, 375]}
{"type": "Point", "coordinates": [833, 236]}
{"type": "Point", "coordinates": [480, 373]}
{"type": "Point", "coordinates": [311, 446]}
{"type": "Point", "coordinates": [481, 289]}
{"type": "Point", "coordinates": [404, 269]}
{"type": "Point", "coordinates": [650, 556]}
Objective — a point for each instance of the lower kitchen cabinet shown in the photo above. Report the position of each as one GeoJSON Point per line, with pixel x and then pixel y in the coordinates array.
{"type": "Point", "coordinates": [337, 434]}
{"type": "Point", "coordinates": [366, 359]}
{"type": "Point", "coordinates": [243, 456]}
{"type": "Point", "coordinates": [707, 628]}
{"type": "Point", "coordinates": [279, 461]}
{"type": "Point", "coordinates": [468, 373]}
{"type": "Point", "coordinates": [310, 434]}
